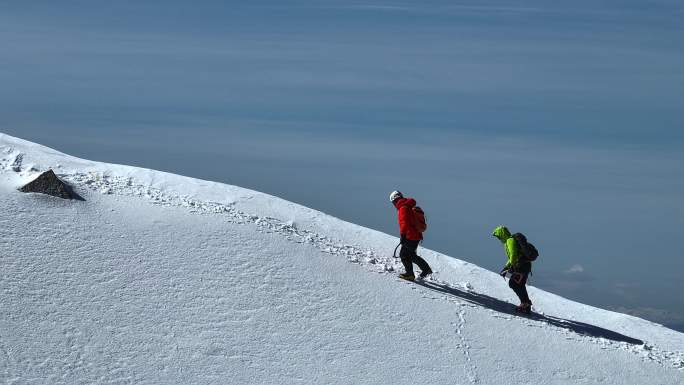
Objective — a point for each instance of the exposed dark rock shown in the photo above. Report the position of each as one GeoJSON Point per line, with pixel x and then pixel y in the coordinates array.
{"type": "Point", "coordinates": [48, 183]}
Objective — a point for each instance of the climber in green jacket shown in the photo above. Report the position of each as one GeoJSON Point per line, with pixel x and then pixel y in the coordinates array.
{"type": "Point", "coordinates": [517, 267]}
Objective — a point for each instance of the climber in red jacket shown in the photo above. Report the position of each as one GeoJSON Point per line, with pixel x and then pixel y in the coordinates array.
{"type": "Point", "coordinates": [411, 235]}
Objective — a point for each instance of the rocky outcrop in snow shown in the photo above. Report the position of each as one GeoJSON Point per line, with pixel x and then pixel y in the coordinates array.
{"type": "Point", "coordinates": [48, 183]}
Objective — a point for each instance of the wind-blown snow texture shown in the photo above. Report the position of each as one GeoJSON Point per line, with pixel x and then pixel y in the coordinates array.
{"type": "Point", "coordinates": [158, 278]}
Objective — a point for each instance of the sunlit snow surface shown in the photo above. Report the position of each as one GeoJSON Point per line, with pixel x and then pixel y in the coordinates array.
{"type": "Point", "coordinates": [158, 278]}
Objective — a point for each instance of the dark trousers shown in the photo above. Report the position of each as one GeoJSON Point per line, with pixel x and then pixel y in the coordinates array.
{"type": "Point", "coordinates": [409, 257]}
{"type": "Point", "coordinates": [519, 280]}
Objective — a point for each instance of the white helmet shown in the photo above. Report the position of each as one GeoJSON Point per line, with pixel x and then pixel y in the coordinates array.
{"type": "Point", "coordinates": [394, 195]}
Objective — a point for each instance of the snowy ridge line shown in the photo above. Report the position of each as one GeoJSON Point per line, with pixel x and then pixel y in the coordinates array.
{"type": "Point", "coordinates": [13, 160]}
{"type": "Point", "coordinates": [107, 184]}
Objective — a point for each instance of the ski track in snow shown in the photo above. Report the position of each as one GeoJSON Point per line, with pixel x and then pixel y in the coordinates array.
{"type": "Point", "coordinates": [373, 260]}
{"type": "Point", "coordinates": [470, 370]}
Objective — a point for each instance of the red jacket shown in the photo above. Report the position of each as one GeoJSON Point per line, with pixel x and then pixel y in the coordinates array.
{"type": "Point", "coordinates": [405, 214]}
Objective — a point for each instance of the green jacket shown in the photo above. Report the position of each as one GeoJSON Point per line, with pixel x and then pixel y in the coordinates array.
{"type": "Point", "coordinates": [510, 245]}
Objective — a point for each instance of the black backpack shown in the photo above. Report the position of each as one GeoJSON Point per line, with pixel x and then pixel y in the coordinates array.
{"type": "Point", "coordinates": [528, 251]}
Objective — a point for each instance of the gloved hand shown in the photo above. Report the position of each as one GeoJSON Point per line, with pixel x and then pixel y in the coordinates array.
{"type": "Point", "coordinates": [403, 239]}
{"type": "Point", "coordinates": [504, 271]}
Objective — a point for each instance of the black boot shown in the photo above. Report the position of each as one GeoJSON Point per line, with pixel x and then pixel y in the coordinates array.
{"type": "Point", "coordinates": [524, 308]}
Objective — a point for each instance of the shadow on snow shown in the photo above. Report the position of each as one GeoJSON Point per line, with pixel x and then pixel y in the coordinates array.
{"type": "Point", "coordinates": [505, 307]}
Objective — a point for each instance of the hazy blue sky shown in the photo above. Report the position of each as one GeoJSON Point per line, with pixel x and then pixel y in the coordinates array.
{"type": "Point", "coordinates": [563, 121]}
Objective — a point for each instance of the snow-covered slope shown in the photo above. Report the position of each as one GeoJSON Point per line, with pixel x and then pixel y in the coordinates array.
{"type": "Point", "coordinates": [158, 278]}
